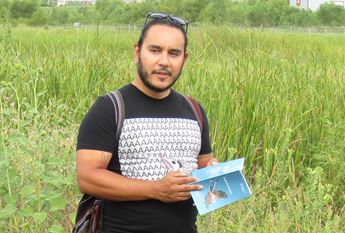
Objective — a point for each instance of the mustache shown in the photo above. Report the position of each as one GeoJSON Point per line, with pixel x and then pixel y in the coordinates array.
{"type": "Point", "coordinates": [163, 70]}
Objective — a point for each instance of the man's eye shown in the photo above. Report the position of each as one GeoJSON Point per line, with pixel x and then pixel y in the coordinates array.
{"type": "Point", "coordinates": [174, 54]}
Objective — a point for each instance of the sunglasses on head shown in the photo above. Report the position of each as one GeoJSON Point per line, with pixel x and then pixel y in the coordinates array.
{"type": "Point", "coordinates": [176, 20]}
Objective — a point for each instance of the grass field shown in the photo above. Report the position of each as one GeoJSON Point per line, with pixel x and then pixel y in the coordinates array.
{"type": "Point", "coordinates": [276, 99]}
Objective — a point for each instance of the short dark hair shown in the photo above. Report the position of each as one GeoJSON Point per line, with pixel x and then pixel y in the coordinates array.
{"type": "Point", "coordinates": [165, 21]}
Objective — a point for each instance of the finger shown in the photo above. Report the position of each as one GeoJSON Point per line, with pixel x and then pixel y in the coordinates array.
{"type": "Point", "coordinates": [179, 196]}
{"type": "Point", "coordinates": [186, 180]}
{"type": "Point", "coordinates": [183, 196]}
{"type": "Point", "coordinates": [188, 188]}
{"type": "Point", "coordinates": [178, 174]}
{"type": "Point", "coordinates": [212, 162]}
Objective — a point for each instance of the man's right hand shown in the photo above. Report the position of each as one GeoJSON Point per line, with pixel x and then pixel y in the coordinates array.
{"type": "Point", "coordinates": [175, 186]}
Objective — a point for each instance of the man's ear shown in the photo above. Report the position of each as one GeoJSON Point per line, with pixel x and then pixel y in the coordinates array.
{"type": "Point", "coordinates": [185, 58]}
{"type": "Point", "coordinates": [136, 52]}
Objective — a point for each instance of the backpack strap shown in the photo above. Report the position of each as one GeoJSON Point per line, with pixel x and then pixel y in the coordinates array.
{"type": "Point", "coordinates": [119, 111]}
{"type": "Point", "coordinates": [90, 207]}
{"type": "Point", "coordinates": [196, 110]}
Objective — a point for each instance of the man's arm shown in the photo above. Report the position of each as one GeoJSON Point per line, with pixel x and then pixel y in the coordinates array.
{"type": "Point", "coordinates": [205, 160]}
{"type": "Point", "coordinates": [94, 178]}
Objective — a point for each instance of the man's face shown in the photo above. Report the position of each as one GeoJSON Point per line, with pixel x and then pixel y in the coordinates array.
{"type": "Point", "coordinates": [161, 58]}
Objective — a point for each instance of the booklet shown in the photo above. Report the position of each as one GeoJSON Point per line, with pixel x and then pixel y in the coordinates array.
{"type": "Point", "coordinates": [223, 184]}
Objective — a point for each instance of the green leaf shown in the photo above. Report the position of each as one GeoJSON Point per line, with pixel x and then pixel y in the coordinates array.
{"type": "Point", "coordinates": [40, 217]}
{"type": "Point", "coordinates": [28, 190]}
{"type": "Point", "coordinates": [8, 211]}
{"type": "Point", "coordinates": [58, 203]}
{"type": "Point", "coordinates": [49, 195]}
{"type": "Point", "coordinates": [56, 229]}
{"type": "Point", "coordinates": [10, 199]}
{"type": "Point", "coordinates": [27, 212]}
{"type": "Point", "coordinates": [3, 191]}
{"type": "Point", "coordinates": [56, 181]}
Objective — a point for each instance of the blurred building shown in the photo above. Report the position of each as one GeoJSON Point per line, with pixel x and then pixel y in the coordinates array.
{"type": "Point", "coordinates": [75, 2]}
{"type": "Point", "coordinates": [86, 2]}
{"type": "Point", "coordinates": [314, 5]}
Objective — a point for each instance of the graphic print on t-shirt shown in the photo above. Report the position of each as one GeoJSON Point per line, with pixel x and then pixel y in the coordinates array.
{"type": "Point", "coordinates": [151, 147]}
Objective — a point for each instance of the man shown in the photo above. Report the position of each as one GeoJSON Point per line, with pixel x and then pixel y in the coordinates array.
{"type": "Point", "coordinates": [148, 187]}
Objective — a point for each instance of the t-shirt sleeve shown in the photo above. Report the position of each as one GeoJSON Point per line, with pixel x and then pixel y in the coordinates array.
{"type": "Point", "coordinates": [205, 136]}
{"type": "Point", "coordinates": [97, 130]}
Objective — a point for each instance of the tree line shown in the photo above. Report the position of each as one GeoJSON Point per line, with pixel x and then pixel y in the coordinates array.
{"type": "Point", "coordinates": [254, 13]}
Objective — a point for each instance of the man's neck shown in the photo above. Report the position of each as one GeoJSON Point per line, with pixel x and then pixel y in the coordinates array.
{"type": "Point", "coordinates": [147, 91]}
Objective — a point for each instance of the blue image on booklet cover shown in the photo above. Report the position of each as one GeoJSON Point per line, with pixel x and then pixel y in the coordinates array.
{"type": "Point", "coordinates": [223, 184]}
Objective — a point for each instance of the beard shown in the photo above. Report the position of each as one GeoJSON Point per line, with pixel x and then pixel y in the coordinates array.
{"type": "Point", "coordinates": [143, 74]}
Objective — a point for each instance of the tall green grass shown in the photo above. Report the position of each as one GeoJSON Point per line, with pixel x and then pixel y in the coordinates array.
{"type": "Point", "coordinates": [276, 99]}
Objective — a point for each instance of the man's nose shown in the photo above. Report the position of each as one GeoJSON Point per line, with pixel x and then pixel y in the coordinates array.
{"type": "Point", "coordinates": [164, 59]}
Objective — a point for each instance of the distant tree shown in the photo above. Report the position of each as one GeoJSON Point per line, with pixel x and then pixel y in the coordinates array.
{"type": "Point", "coordinates": [331, 14]}
{"type": "Point", "coordinates": [120, 15]}
{"type": "Point", "coordinates": [300, 18]}
{"type": "Point", "coordinates": [138, 11]}
{"type": "Point", "coordinates": [86, 14]}
{"type": "Point", "coordinates": [59, 16]}
{"type": "Point", "coordinates": [191, 9]}
{"type": "Point", "coordinates": [105, 7]}
{"type": "Point", "coordinates": [258, 15]}
{"type": "Point", "coordinates": [40, 17]}
{"type": "Point", "coordinates": [168, 6]}
{"type": "Point", "coordinates": [214, 12]}
{"type": "Point", "coordinates": [277, 12]}
{"type": "Point", "coordinates": [23, 8]}
{"type": "Point", "coordinates": [4, 9]}
{"type": "Point", "coordinates": [251, 2]}
{"type": "Point", "coordinates": [238, 13]}
{"type": "Point", "coordinates": [71, 14]}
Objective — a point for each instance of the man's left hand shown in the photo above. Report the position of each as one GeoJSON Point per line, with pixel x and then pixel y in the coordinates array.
{"type": "Point", "coordinates": [206, 160]}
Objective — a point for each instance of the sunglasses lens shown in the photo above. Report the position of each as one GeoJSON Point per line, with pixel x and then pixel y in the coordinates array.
{"type": "Point", "coordinates": [179, 20]}
{"type": "Point", "coordinates": [157, 15]}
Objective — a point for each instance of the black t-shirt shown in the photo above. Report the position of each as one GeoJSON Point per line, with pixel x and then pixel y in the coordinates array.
{"type": "Point", "coordinates": [158, 136]}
